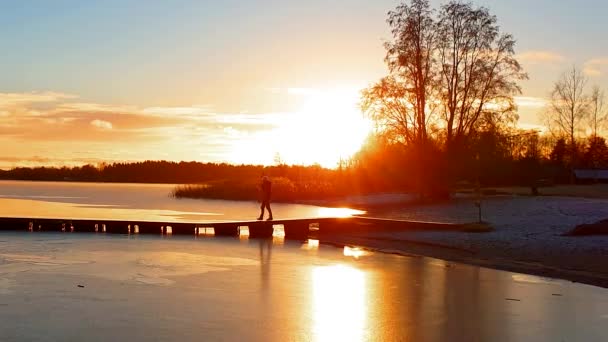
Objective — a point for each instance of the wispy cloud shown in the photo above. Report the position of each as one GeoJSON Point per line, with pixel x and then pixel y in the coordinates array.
{"type": "Point", "coordinates": [195, 110]}
{"type": "Point", "coordinates": [596, 66]}
{"type": "Point", "coordinates": [539, 57]}
{"type": "Point", "coordinates": [41, 128]}
{"type": "Point", "coordinates": [101, 124]}
{"type": "Point", "coordinates": [530, 102]}
{"type": "Point", "coordinates": [24, 99]}
{"type": "Point", "coordinates": [93, 107]}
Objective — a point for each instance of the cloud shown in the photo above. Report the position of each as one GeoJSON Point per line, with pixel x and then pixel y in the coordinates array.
{"type": "Point", "coordinates": [102, 124]}
{"type": "Point", "coordinates": [540, 57]}
{"type": "Point", "coordinates": [15, 99]}
{"type": "Point", "coordinates": [50, 128]}
{"type": "Point", "coordinates": [595, 66]}
{"type": "Point", "coordinates": [530, 102]}
{"type": "Point", "coordinates": [195, 110]}
{"type": "Point", "coordinates": [93, 107]}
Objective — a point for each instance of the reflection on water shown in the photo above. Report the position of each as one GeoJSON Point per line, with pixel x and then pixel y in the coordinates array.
{"type": "Point", "coordinates": [187, 289]}
{"type": "Point", "coordinates": [339, 303]}
{"type": "Point", "coordinates": [41, 209]}
{"type": "Point", "coordinates": [278, 234]}
{"type": "Point", "coordinates": [339, 212]}
{"type": "Point", "coordinates": [265, 248]}
{"type": "Point", "coordinates": [354, 252]}
{"type": "Point", "coordinates": [278, 230]}
{"type": "Point", "coordinates": [525, 278]}
{"type": "Point", "coordinates": [311, 245]}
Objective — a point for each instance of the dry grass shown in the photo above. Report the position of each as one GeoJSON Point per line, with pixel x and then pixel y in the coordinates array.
{"type": "Point", "coordinates": [283, 190]}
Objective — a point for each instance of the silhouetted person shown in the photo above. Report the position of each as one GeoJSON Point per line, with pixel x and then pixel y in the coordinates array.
{"type": "Point", "coordinates": [265, 186]}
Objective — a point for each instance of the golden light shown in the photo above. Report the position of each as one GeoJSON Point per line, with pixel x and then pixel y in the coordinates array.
{"type": "Point", "coordinates": [354, 252]}
{"type": "Point", "coordinates": [243, 232]}
{"type": "Point", "coordinates": [329, 127]}
{"type": "Point", "coordinates": [278, 234]}
{"type": "Point", "coordinates": [339, 306]}
{"type": "Point", "coordinates": [311, 245]}
{"type": "Point", "coordinates": [278, 230]}
{"type": "Point", "coordinates": [339, 212]}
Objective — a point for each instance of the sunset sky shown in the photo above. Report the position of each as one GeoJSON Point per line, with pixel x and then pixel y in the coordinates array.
{"type": "Point", "coordinates": [236, 81]}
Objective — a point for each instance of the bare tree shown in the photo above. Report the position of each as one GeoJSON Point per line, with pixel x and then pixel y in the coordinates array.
{"type": "Point", "coordinates": [400, 102]}
{"type": "Point", "coordinates": [385, 103]}
{"type": "Point", "coordinates": [454, 65]}
{"type": "Point", "coordinates": [569, 106]}
{"type": "Point", "coordinates": [478, 71]}
{"type": "Point", "coordinates": [598, 113]}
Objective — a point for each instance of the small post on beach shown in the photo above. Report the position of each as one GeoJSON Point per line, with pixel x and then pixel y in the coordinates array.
{"type": "Point", "coordinates": [478, 185]}
{"type": "Point", "coordinates": [478, 202]}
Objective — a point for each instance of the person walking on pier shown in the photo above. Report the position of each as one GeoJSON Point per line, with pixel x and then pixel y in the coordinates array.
{"type": "Point", "coordinates": [265, 186]}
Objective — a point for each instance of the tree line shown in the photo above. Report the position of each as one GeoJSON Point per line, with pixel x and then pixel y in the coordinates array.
{"type": "Point", "coordinates": [446, 111]}
{"type": "Point", "coordinates": [157, 172]}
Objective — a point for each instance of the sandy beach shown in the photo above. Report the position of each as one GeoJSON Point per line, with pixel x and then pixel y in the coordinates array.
{"type": "Point", "coordinates": [527, 237]}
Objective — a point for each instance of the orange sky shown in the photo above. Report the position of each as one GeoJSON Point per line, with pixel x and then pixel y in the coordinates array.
{"type": "Point", "coordinates": [85, 82]}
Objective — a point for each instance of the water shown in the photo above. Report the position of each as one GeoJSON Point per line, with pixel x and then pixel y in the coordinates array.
{"type": "Point", "coordinates": [98, 287]}
{"type": "Point", "coordinates": [150, 202]}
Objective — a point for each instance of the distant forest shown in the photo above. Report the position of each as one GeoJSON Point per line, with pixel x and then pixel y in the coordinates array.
{"type": "Point", "coordinates": [148, 172]}
{"type": "Point", "coordinates": [492, 158]}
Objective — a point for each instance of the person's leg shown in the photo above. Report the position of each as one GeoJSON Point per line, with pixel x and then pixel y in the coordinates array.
{"type": "Point", "coordinates": [269, 210]}
{"type": "Point", "coordinates": [261, 211]}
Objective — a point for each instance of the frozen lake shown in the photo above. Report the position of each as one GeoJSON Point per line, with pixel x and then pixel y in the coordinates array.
{"type": "Point", "coordinates": [97, 287]}
{"type": "Point", "coordinates": [101, 287]}
{"type": "Point", "coordinates": [149, 202]}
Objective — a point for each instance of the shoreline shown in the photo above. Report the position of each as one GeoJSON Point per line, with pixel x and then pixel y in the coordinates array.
{"type": "Point", "coordinates": [453, 254]}
{"type": "Point", "coordinates": [528, 236]}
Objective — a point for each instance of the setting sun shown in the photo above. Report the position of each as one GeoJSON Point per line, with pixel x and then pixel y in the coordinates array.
{"type": "Point", "coordinates": [329, 127]}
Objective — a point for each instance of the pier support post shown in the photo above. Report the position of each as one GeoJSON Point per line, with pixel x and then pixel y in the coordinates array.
{"type": "Point", "coordinates": [297, 230]}
{"type": "Point", "coordinates": [15, 224]}
{"type": "Point", "coordinates": [182, 229]}
{"type": "Point", "coordinates": [226, 229]}
{"type": "Point", "coordinates": [262, 229]}
{"type": "Point", "coordinates": [150, 228]}
{"type": "Point", "coordinates": [117, 227]}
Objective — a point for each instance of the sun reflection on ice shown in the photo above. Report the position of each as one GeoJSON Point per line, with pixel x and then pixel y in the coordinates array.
{"type": "Point", "coordinates": [354, 252]}
{"type": "Point", "coordinates": [339, 212]}
{"type": "Point", "coordinates": [339, 307]}
{"type": "Point", "coordinates": [311, 245]}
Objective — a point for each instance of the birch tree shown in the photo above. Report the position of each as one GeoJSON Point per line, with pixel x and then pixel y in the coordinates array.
{"type": "Point", "coordinates": [569, 106]}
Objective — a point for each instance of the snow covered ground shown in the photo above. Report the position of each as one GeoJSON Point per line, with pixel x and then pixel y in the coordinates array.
{"type": "Point", "coordinates": [527, 229]}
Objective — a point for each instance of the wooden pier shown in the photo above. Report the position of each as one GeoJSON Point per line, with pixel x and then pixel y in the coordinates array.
{"type": "Point", "coordinates": [293, 228]}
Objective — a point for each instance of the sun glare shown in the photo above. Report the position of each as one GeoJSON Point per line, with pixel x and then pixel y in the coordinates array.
{"type": "Point", "coordinates": [329, 127]}
{"type": "Point", "coordinates": [339, 303]}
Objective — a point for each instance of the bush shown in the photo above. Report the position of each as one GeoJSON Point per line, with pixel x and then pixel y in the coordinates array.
{"type": "Point", "coordinates": [283, 190]}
